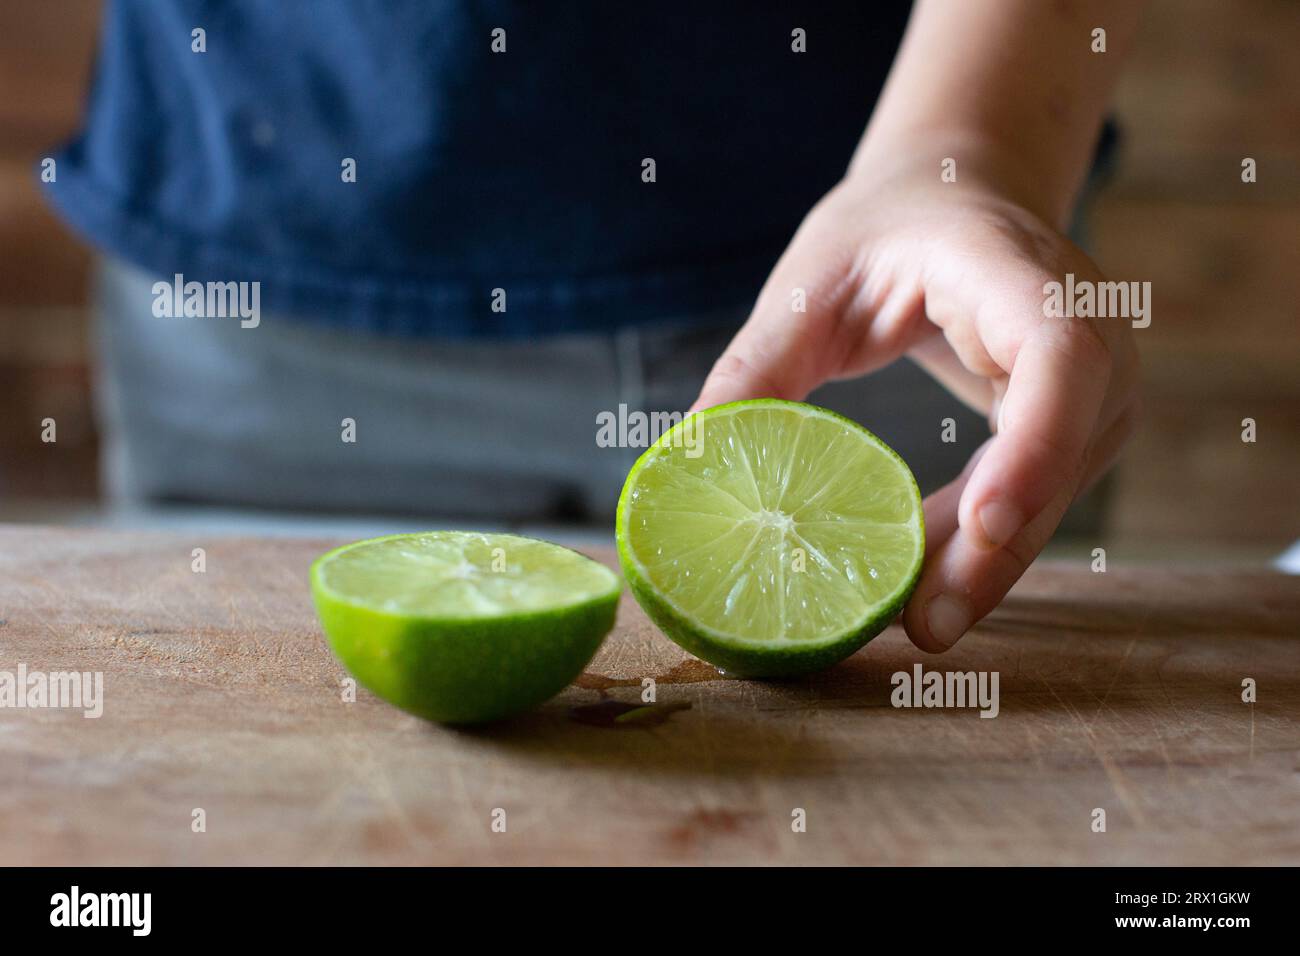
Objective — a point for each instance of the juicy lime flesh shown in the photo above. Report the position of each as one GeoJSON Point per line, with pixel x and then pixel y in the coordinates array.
{"type": "Point", "coordinates": [775, 522]}
{"type": "Point", "coordinates": [451, 574]}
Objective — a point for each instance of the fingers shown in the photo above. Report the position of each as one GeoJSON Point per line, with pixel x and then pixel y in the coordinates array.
{"type": "Point", "coordinates": [1060, 415]}
{"type": "Point", "coordinates": [813, 321]}
{"type": "Point", "coordinates": [941, 506]}
{"type": "Point", "coordinates": [1053, 384]}
{"type": "Point", "coordinates": [964, 580]}
{"type": "Point", "coordinates": [775, 354]}
{"type": "Point", "coordinates": [1047, 420]}
{"type": "Point", "coordinates": [1020, 488]}
{"type": "Point", "coordinates": [936, 356]}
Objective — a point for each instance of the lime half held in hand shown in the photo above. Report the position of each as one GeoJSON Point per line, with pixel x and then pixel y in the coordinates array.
{"type": "Point", "coordinates": [461, 627]}
{"type": "Point", "coordinates": [771, 538]}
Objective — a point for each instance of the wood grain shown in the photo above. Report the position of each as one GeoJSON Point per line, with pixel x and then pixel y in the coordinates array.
{"type": "Point", "coordinates": [1118, 690]}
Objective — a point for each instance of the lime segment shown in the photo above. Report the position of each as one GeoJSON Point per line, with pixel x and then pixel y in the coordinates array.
{"type": "Point", "coordinates": [463, 627]}
{"type": "Point", "coordinates": [463, 575]}
{"type": "Point", "coordinates": [771, 537]}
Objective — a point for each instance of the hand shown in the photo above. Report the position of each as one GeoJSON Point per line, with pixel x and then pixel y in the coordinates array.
{"type": "Point", "coordinates": [952, 275]}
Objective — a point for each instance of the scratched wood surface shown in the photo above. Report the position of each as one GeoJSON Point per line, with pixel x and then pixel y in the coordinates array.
{"type": "Point", "coordinates": [1120, 691]}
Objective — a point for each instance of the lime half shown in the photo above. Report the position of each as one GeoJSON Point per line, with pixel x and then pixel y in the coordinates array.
{"type": "Point", "coordinates": [771, 538]}
{"type": "Point", "coordinates": [463, 627]}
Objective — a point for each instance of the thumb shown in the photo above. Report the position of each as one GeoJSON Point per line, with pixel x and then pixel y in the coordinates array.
{"type": "Point", "coordinates": [781, 350]}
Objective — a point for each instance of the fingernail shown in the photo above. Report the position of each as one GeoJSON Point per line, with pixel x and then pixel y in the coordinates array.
{"type": "Point", "coordinates": [947, 619]}
{"type": "Point", "coordinates": [1000, 522]}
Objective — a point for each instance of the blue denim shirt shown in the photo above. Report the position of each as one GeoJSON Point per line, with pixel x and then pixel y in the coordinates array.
{"type": "Point", "coordinates": [475, 170]}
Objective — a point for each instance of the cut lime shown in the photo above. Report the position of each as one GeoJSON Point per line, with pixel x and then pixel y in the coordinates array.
{"type": "Point", "coordinates": [463, 627]}
{"type": "Point", "coordinates": [771, 538]}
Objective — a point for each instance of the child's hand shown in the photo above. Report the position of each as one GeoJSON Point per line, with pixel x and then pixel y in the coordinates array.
{"type": "Point", "coordinates": [952, 275]}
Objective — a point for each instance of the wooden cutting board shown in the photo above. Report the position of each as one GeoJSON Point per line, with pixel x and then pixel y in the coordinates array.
{"type": "Point", "coordinates": [1119, 691]}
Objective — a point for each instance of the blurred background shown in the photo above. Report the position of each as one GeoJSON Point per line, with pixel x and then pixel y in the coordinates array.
{"type": "Point", "coordinates": [1208, 84]}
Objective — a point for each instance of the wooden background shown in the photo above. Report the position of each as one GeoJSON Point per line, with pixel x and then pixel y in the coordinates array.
{"type": "Point", "coordinates": [1209, 83]}
{"type": "Point", "coordinates": [1119, 691]}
